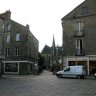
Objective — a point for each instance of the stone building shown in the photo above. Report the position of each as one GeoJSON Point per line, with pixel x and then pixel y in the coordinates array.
{"type": "Point", "coordinates": [52, 55]}
{"type": "Point", "coordinates": [47, 55]}
{"type": "Point", "coordinates": [1, 57]}
{"type": "Point", "coordinates": [79, 36]}
{"type": "Point", "coordinates": [18, 45]}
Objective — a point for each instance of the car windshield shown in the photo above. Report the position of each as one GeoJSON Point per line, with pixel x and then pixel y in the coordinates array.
{"type": "Point", "coordinates": [66, 69]}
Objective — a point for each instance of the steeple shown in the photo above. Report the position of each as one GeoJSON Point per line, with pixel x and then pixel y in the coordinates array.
{"type": "Point", "coordinates": [53, 44]}
{"type": "Point", "coordinates": [53, 51]}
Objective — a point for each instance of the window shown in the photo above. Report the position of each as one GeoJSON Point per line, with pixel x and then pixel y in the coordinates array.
{"type": "Point", "coordinates": [11, 67]}
{"type": "Point", "coordinates": [8, 38]}
{"type": "Point", "coordinates": [79, 26]}
{"type": "Point", "coordinates": [84, 10]}
{"type": "Point", "coordinates": [17, 50]}
{"type": "Point", "coordinates": [67, 69]}
{"type": "Point", "coordinates": [18, 37]}
{"type": "Point", "coordinates": [8, 27]}
{"type": "Point", "coordinates": [7, 51]}
{"type": "Point", "coordinates": [3, 26]}
{"type": "Point", "coordinates": [79, 46]}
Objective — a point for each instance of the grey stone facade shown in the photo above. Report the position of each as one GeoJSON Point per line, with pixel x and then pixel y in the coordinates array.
{"type": "Point", "coordinates": [18, 44]}
{"type": "Point", "coordinates": [1, 30]}
{"type": "Point", "coordinates": [79, 36]}
{"type": "Point", "coordinates": [47, 54]}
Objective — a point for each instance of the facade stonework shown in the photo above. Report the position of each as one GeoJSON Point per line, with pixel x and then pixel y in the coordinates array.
{"type": "Point", "coordinates": [47, 55]}
{"type": "Point", "coordinates": [79, 36]}
{"type": "Point", "coordinates": [19, 45]}
{"type": "Point", "coordinates": [49, 58]}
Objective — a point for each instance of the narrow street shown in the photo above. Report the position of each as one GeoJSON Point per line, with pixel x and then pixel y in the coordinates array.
{"type": "Point", "coordinates": [46, 84]}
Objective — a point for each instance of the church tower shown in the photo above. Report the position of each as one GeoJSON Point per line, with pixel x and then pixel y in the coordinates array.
{"type": "Point", "coordinates": [53, 51]}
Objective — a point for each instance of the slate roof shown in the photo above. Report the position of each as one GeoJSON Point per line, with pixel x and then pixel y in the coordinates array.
{"type": "Point", "coordinates": [15, 25]}
{"type": "Point", "coordinates": [90, 5]}
{"type": "Point", "coordinates": [46, 50]}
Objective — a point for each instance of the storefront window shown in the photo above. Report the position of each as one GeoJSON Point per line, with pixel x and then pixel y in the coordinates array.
{"type": "Point", "coordinates": [11, 67]}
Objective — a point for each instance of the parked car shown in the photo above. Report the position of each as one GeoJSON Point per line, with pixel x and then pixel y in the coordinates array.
{"type": "Point", "coordinates": [72, 71]}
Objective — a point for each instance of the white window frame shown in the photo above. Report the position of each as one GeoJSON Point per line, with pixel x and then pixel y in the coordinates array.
{"type": "Point", "coordinates": [1, 24]}
{"type": "Point", "coordinates": [7, 51]}
{"type": "Point", "coordinates": [78, 46]}
{"type": "Point", "coordinates": [10, 63]}
{"type": "Point", "coordinates": [7, 38]}
{"type": "Point", "coordinates": [18, 37]}
{"type": "Point", "coordinates": [9, 27]}
{"type": "Point", "coordinates": [80, 26]}
{"type": "Point", "coordinates": [17, 50]}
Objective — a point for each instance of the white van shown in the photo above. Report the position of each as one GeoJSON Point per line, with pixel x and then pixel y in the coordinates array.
{"type": "Point", "coordinates": [72, 71]}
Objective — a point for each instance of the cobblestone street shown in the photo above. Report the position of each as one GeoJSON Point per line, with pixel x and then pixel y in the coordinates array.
{"type": "Point", "coordinates": [46, 84]}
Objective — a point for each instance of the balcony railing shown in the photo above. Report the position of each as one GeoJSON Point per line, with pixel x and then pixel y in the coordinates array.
{"type": "Point", "coordinates": [79, 53]}
{"type": "Point", "coordinates": [79, 34]}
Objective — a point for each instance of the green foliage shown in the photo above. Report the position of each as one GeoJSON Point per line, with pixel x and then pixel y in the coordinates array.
{"type": "Point", "coordinates": [40, 63]}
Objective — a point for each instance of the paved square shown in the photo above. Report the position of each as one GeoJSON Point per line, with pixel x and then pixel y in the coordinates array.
{"type": "Point", "coordinates": [46, 84]}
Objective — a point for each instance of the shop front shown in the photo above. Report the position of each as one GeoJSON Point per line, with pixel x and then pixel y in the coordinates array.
{"type": "Point", "coordinates": [18, 67]}
{"type": "Point", "coordinates": [89, 62]}
{"type": "Point", "coordinates": [12, 68]}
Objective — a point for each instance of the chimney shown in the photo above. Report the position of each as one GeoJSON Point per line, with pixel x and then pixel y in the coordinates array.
{"type": "Point", "coordinates": [8, 14]}
{"type": "Point", "coordinates": [27, 26]}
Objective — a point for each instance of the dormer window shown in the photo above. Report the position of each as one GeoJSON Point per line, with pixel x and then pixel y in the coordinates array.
{"type": "Point", "coordinates": [84, 10]}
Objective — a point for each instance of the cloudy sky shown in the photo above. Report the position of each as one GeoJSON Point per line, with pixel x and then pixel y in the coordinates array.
{"type": "Point", "coordinates": [43, 16]}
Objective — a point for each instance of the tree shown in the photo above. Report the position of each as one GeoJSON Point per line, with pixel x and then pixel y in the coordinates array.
{"type": "Point", "coordinates": [40, 62]}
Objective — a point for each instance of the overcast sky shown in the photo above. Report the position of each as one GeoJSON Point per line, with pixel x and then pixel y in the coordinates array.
{"type": "Point", "coordinates": [43, 16]}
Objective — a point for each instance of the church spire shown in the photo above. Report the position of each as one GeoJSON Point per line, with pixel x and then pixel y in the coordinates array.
{"type": "Point", "coordinates": [53, 44]}
{"type": "Point", "coordinates": [53, 50]}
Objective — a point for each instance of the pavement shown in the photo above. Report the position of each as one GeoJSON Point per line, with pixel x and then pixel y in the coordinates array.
{"type": "Point", "coordinates": [46, 84]}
